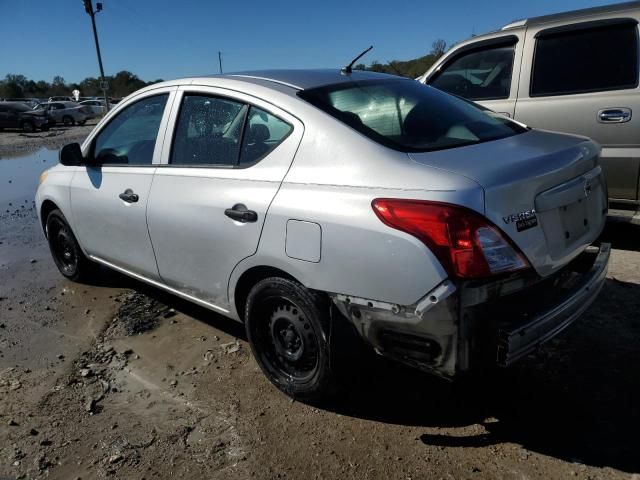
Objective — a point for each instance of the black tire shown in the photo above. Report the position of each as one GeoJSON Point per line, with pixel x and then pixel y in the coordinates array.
{"type": "Point", "coordinates": [289, 330]}
{"type": "Point", "coordinates": [44, 128]}
{"type": "Point", "coordinates": [82, 122]}
{"type": "Point", "coordinates": [65, 250]}
{"type": "Point", "coordinates": [28, 127]}
{"type": "Point", "coordinates": [67, 121]}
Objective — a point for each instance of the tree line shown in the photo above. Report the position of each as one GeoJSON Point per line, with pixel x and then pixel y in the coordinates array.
{"type": "Point", "coordinates": [123, 83]}
{"type": "Point", "coordinates": [120, 85]}
{"type": "Point", "coordinates": [408, 68]}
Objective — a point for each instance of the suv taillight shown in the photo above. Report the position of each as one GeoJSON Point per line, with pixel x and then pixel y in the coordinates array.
{"type": "Point", "coordinates": [466, 244]}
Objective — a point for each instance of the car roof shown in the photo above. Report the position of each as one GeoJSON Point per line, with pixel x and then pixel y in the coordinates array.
{"type": "Point", "coordinates": [293, 79]}
{"type": "Point", "coordinates": [574, 14]}
{"type": "Point", "coordinates": [305, 79]}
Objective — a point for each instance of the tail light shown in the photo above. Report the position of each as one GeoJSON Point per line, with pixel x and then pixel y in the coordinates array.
{"type": "Point", "coordinates": [466, 244]}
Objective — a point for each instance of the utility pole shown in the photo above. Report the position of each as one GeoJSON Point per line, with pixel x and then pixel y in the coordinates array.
{"type": "Point", "coordinates": [88, 6]}
{"type": "Point", "coordinates": [220, 61]}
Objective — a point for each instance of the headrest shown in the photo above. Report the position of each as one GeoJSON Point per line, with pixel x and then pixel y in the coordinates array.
{"type": "Point", "coordinates": [259, 133]}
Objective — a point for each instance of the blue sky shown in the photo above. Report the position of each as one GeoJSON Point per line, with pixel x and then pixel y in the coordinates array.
{"type": "Point", "coordinates": [169, 39]}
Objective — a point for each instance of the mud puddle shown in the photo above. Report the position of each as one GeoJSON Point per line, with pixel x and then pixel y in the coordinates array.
{"type": "Point", "coordinates": [19, 179]}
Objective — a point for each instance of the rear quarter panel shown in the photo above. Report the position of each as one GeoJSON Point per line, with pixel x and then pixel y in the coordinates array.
{"type": "Point", "coordinates": [335, 176]}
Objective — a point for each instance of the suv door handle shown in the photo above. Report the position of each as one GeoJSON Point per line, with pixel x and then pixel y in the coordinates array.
{"type": "Point", "coordinates": [614, 115]}
{"type": "Point", "coordinates": [240, 213]}
{"type": "Point", "coordinates": [128, 196]}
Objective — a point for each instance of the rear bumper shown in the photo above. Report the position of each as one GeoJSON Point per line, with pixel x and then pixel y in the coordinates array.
{"type": "Point", "coordinates": [468, 326]}
{"type": "Point", "coordinates": [518, 340]}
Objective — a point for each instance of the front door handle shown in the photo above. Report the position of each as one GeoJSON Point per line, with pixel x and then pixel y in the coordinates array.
{"type": "Point", "coordinates": [128, 196]}
{"type": "Point", "coordinates": [240, 213]}
{"type": "Point", "coordinates": [614, 115]}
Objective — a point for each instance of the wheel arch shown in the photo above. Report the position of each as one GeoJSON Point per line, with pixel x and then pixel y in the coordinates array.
{"type": "Point", "coordinates": [248, 279]}
{"type": "Point", "coordinates": [46, 208]}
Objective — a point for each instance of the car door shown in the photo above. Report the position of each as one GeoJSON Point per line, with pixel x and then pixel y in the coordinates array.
{"type": "Point", "coordinates": [109, 195]}
{"type": "Point", "coordinates": [4, 117]}
{"type": "Point", "coordinates": [583, 78]}
{"type": "Point", "coordinates": [485, 71]}
{"type": "Point", "coordinates": [209, 198]}
{"type": "Point", "coordinates": [55, 110]}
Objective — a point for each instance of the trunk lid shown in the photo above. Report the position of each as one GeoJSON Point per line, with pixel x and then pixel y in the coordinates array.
{"type": "Point", "coordinates": [545, 191]}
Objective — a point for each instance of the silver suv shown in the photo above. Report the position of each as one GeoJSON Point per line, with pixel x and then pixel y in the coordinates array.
{"type": "Point", "coordinates": [574, 72]}
{"type": "Point", "coordinates": [299, 202]}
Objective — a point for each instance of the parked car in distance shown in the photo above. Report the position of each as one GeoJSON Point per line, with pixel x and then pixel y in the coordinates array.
{"type": "Point", "coordinates": [67, 113]}
{"type": "Point", "coordinates": [61, 99]}
{"type": "Point", "coordinates": [31, 102]}
{"type": "Point", "coordinates": [574, 72]}
{"type": "Point", "coordinates": [300, 202]}
{"type": "Point", "coordinates": [19, 115]}
{"type": "Point", "coordinates": [97, 107]}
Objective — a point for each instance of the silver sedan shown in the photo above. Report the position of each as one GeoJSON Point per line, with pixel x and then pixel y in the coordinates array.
{"type": "Point", "coordinates": [305, 203]}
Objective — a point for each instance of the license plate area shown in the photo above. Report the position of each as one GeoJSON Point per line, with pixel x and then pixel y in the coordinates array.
{"type": "Point", "coordinates": [575, 220]}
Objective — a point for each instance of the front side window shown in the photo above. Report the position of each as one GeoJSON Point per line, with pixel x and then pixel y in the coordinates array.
{"type": "Point", "coordinates": [130, 138]}
{"type": "Point", "coordinates": [478, 75]}
{"type": "Point", "coordinates": [408, 116]}
{"type": "Point", "coordinates": [588, 60]}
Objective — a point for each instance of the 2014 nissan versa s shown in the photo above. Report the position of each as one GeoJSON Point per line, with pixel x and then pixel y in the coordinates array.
{"type": "Point", "coordinates": [448, 236]}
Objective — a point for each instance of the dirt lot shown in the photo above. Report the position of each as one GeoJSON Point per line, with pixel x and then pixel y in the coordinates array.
{"type": "Point", "coordinates": [114, 379]}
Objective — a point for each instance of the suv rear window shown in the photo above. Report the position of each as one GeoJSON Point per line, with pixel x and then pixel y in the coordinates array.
{"type": "Point", "coordinates": [586, 60]}
{"type": "Point", "coordinates": [408, 116]}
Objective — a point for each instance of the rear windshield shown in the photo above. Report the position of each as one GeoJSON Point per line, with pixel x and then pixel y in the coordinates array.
{"type": "Point", "coordinates": [18, 107]}
{"type": "Point", "coordinates": [409, 116]}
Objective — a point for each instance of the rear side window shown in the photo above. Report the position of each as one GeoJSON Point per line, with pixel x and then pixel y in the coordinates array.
{"type": "Point", "coordinates": [208, 132]}
{"type": "Point", "coordinates": [130, 138]}
{"type": "Point", "coordinates": [478, 75]}
{"type": "Point", "coordinates": [223, 132]}
{"type": "Point", "coordinates": [264, 132]}
{"type": "Point", "coordinates": [586, 60]}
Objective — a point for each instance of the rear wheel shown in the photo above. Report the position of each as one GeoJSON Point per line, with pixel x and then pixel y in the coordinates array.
{"type": "Point", "coordinates": [67, 121]}
{"type": "Point", "coordinates": [289, 331]}
{"type": "Point", "coordinates": [65, 249]}
{"type": "Point", "coordinates": [28, 127]}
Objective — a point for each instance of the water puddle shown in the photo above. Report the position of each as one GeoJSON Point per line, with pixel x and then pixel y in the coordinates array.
{"type": "Point", "coordinates": [19, 178]}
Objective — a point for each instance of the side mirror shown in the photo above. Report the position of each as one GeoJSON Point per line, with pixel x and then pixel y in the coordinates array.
{"type": "Point", "coordinates": [71, 155]}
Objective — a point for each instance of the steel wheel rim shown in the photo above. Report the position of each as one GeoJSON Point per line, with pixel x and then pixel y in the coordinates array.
{"type": "Point", "coordinates": [288, 339]}
{"type": "Point", "coordinates": [63, 247]}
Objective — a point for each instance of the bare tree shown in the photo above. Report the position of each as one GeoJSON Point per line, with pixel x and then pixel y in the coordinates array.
{"type": "Point", "coordinates": [438, 48]}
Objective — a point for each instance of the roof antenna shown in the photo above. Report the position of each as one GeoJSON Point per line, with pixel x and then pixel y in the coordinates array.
{"type": "Point", "coordinates": [349, 68]}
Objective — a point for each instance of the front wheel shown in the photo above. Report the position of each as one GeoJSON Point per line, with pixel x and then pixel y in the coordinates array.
{"type": "Point", "coordinates": [67, 121]}
{"type": "Point", "coordinates": [28, 127]}
{"type": "Point", "coordinates": [288, 328]}
{"type": "Point", "coordinates": [65, 250]}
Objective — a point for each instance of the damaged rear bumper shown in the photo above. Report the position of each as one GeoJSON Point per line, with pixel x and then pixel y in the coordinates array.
{"type": "Point", "coordinates": [459, 326]}
{"type": "Point", "coordinates": [518, 340]}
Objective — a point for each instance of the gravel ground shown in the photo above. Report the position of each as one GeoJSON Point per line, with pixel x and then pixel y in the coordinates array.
{"type": "Point", "coordinates": [14, 143]}
{"type": "Point", "coordinates": [115, 379]}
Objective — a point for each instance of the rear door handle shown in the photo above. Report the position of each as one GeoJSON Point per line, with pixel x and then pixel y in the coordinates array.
{"type": "Point", "coordinates": [240, 213]}
{"type": "Point", "coordinates": [128, 196]}
{"type": "Point", "coordinates": [614, 115]}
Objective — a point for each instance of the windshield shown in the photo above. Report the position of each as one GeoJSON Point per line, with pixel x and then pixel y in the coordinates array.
{"type": "Point", "coordinates": [409, 116]}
